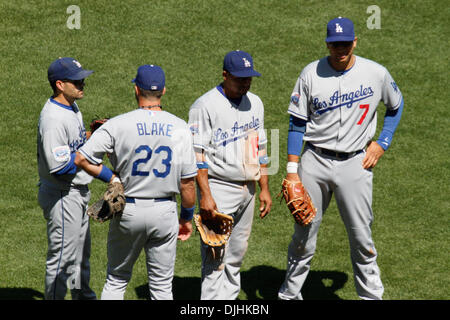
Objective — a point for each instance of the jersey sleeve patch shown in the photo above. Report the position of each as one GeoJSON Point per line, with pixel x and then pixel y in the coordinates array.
{"type": "Point", "coordinates": [194, 128]}
{"type": "Point", "coordinates": [295, 98]}
{"type": "Point", "coordinates": [61, 153]}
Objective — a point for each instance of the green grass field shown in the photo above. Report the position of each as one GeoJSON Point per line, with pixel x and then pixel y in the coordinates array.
{"type": "Point", "coordinates": [189, 39]}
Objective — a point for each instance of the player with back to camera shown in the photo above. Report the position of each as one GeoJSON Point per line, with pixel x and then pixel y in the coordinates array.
{"type": "Point", "coordinates": [152, 155]}
{"type": "Point", "coordinates": [333, 109]}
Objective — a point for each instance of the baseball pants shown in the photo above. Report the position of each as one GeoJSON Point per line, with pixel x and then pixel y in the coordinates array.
{"type": "Point", "coordinates": [145, 224]}
{"type": "Point", "coordinates": [69, 242]}
{"type": "Point", "coordinates": [352, 186]}
{"type": "Point", "coordinates": [221, 267]}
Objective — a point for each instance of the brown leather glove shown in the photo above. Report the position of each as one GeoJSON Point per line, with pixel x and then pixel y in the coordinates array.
{"type": "Point", "coordinates": [111, 204]}
{"type": "Point", "coordinates": [298, 201]}
{"type": "Point", "coordinates": [214, 231]}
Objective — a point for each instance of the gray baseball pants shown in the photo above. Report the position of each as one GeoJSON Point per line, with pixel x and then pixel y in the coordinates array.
{"type": "Point", "coordinates": [149, 225]}
{"type": "Point", "coordinates": [69, 242]}
{"type": "Point", "coordinates": [352, 187]}
{"type": "Point", "coordinates": [221, 268]}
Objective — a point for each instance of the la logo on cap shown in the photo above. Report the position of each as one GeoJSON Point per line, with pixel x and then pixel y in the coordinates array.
{"type": "Point", "coordinates": [339, 28]}
{"type": "Point", "coordinates": [247, 63]}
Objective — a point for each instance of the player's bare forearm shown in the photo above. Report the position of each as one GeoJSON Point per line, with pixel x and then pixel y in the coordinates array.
{"type": "Point", "coordinates": [187, 192]}
{"type": "Point", "coordinates": [93, 169]}
{"type": "Point", "coordinates": [293, 158]}
{"type": "Point", "coordinates": [264, 179]}
{"type": "Point", "coordinates": [264, 196]}
{"type": "Point", "coordinates": [202, 183]}
{"type": "Point", "coordinates": [207, 203]}
{"type": "Point", "coordinates": [373, 154]}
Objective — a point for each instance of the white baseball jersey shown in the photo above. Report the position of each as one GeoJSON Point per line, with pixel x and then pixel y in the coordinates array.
{"type": "Point", "coordinates": [230, 134]}
{"type": "Point", "coordinates": [61, 132]}
{"type": "Point", "coordinates": [341, 108]}
{"type": "Point", "coordinates": [150, 150]}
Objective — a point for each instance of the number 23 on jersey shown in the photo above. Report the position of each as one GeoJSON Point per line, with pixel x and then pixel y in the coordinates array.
{"type": "Point", "coordinates": [163, 152]}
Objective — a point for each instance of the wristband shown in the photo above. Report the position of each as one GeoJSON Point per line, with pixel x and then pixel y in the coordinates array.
{"type": "Point", "coordinates": [116, 179]}
{"type": "Point", "coordinates": [202, 165]}
{"type": "Point", "coordinates": [187, 213]}
{"type": "Point", "coordinates": [264, 159]}
{"type": "Point", "coordinates": [105, 175]}
{"type": "Point", "coordinates": [292, 167]}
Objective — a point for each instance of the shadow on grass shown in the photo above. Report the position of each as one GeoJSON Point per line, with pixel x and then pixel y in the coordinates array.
{"type": "Point", "coordinates": [20, 294]}
{"type": "Point", "coordinates": [262, 283]}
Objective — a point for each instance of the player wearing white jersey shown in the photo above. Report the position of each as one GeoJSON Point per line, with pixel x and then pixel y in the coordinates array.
{"type": "Point", "coordinates": [333, 108]}
{"type": "Point", "coordinates": [151, 151]}
{"type": "Point", "coordinates": [227, 124]}
{"type": "Point", "coordinates": [63, 191]}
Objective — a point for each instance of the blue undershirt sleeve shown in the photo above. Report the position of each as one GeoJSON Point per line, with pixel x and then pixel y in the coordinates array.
{"type": "Point", "coordinates": [297, 128]}
{"type": "Point", "coordinates": [391, 121]}
{"type": "Point", "coordinates": [70, 167]}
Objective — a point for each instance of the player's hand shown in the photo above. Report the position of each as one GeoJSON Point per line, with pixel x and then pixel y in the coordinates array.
{"type": "Point", "coordinates": [292, 177]}
{"type": "Point", "coordinates": [208, 207]}
{"type": "Point", "coordinates": [265, 201]}
{"type": "Point", "coordinates": [373, 153]}
{"type": "Point", "coordinates": [185, 229]}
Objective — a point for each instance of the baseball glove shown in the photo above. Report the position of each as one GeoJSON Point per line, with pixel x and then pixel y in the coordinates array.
{"type": "Point", "coordinates": [298, 201]}
{"type": "Point", "coordinates": [96, 123]}
{"type": "Point", "coordinates": [216, 231]}
{"type": "Point", "coordinates": [111, 204]}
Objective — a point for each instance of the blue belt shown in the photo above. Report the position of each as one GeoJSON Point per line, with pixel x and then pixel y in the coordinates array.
{"type": "Point", "coordinates": [330, 153]}
{"type": "Point", "coordinates": [133, 200]}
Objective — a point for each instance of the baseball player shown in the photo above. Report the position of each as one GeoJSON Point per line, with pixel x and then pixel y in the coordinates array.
{"type": "Point", "coordinates": [63, 191]}
{"type": "Point", "coordinates": [227, 124]}
{"type": "Point", "coordinates": [333, 108]}
{"type": "Point", "coordinates": [151, 151]}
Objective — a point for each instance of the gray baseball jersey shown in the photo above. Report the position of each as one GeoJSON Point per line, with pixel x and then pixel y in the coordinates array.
{"type": "Point", "coordinates": [327, 100]}
{"type": "Point", "coordinates": [60, 132]}
{"type": "Point", "coordinates": [230, 134]}
{"type": "Point", "coordinates": [150, 150]}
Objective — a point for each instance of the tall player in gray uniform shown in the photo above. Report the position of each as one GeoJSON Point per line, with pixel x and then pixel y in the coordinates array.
{"type": "Point", "coordinates": [333, 108]}
{"type": "Point", "coordinates": [63, 191]}
{"type": "Point", "coordinates": [227, 124]}
{"type": "Point", "coordinates": [151, 151]}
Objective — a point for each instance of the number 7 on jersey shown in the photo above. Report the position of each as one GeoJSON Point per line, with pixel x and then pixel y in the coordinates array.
{"type": "Point", "coordinates": [366, 109]}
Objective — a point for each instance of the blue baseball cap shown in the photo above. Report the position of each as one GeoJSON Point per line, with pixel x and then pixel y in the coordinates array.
{"type": "Point", "coordinates": [66, 69]}
{"type": "Point", "coordinates": [340, 29]}
{"type": "Point", "coordinates": [239, 64]}
{"type": "Point", "coordinates": [150, 77]}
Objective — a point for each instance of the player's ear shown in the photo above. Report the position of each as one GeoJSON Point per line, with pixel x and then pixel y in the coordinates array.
{"type": "Point", "coordinates": [164, 91]}
{"type": "Point", "coordinates": [355, 42]}
{"type": "Point", "coordinates": [59, 85]}
{"type": "Point", "coordinates": [136, 89]}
